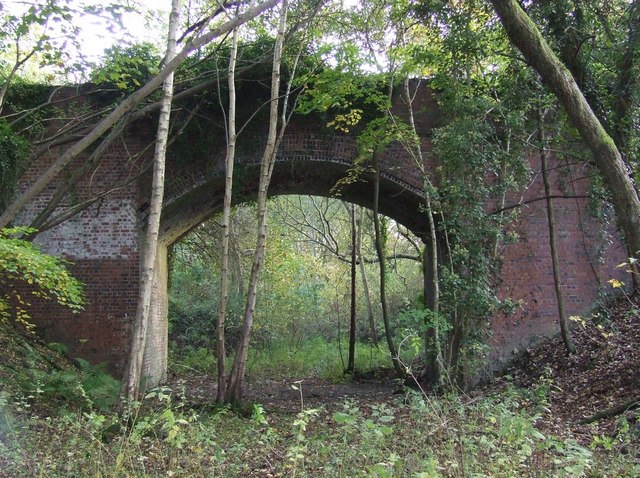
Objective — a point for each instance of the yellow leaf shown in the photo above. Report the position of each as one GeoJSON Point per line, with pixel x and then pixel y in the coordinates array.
{"type": "Point", "coordinates": [615, 283]}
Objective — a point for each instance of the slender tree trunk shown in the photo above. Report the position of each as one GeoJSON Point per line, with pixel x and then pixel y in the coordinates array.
{"type": "Point", "coordinates": [382, 263]}
{"type": "Point", "coordinates": [459, 328]}
{"type": "Point", "coordinates": [236, 262]}
{"type": "Point", "coordinates": [627, 84]}
{"type": "Point", "coordinates": [351, 363]}
{"type": "Point", "coordinates": [524, 34]}
{"type": "Point", "coordinates": [458, 324]}
{"type": "Point", "coordinates": [503, 196]}
{"type": "Point", "coordinates": [123, 108]}
{"type": "Point", "coordinates": [131, 383]}
{"type": "Point", "coordinates": [557, 280]}
{"type": "Point", "coordinates": [226, 220]}
{"type": "Point", "coordinates": [365, 284]}
{"type": "Point", "coordinates": [16, 66]}
{"type": "Point", "coordinates": [236, 378]}
{"type": "Point", "coordinates": [433, 357]}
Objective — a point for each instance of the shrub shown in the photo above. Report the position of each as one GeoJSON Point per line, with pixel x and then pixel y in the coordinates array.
{"type": "Point", "coordinates": [45, 276]}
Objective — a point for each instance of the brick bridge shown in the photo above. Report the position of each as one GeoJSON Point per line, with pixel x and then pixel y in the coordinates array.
{"type": "Point", "coordinates": [103, 242]}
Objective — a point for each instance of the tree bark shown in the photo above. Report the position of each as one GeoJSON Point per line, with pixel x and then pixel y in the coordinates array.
{"type": "Point", "coordinates": [131, 383]}
{"type": "Point", "coordinates": [365, 283]}
{"type": "Point", "coordinates": [127, 105]}
{"type": "Point", "coordinates": [524, 34]}
{"type": "Point", "coordinates": [351, 362]}
{"type": "Point", "coordinates": [236, 378]}
{"type": "Point", "coordinates": [627, 81]}
{"type": "Point", "coordinates": [553, 243]}
{"type": "Point", "coordinates": [226, 220]}
{"type": "Point", "coordinates": [432, 357]}
{"type": "Point", "coordinates": [400, 372]}
{"type": "Point", "coordinates": [612, 411]}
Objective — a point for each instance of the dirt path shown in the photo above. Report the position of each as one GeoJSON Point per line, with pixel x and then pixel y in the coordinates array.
{"type": "Point", "coordinates": [280, 395]}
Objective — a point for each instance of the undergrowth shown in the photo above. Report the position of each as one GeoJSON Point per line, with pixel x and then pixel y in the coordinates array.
{"type": "Point", "coordinates": [414, 435]}
{"type": "Point", "coordinates": [57, 422]}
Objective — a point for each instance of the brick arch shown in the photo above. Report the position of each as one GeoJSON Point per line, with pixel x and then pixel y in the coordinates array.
{"type": "Point", "coordinates": [291, 175]}
{"type": "Point", "coordinates": [103, 242]}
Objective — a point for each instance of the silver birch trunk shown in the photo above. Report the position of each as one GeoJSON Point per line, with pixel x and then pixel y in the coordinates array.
{"type": "Point", "coordinates": [351, 361]}
{"type": "Point", "coordinates": [131, 383]}
{"type": "Point", "coordinates": [123, 108]}
{"type": "Point", "coordinates": [382, 263]}
{"type": "Point", "coordinates": [226, 219]}
{"type": "Point", "coordinates": [236, 378]}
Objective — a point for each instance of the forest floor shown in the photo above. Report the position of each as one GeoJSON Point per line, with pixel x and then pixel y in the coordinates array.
{"type": "Point", "coordinates": [604, 373]}
{"type": "Point", "coordinates": [526, 422]}
{"type": "Point", "coordinates": [288, 396]}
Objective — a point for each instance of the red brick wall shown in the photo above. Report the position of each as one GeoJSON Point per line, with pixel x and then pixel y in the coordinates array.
{"type": "Point", "coordinates": [101, 244]}
{"type": "Point", "coordinates": [587, 262]}
{"type": "Point", "coordinates": [103, 241]}
{"type": "Point", "coordinates": [99, 333]}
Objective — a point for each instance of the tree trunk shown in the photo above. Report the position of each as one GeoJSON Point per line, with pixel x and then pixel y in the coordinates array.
{"type": "Point", "coordinates": [226, 220]}
{"type": "Point", "coordinates": [236, 378]}
{"type": "Point", "coordinates": [123, 108]}
{"type": "Point", "coordinates": [433, 358]}
{"type": "Point", "coordinates": [365, 284]}
{"type": "Point", "coordinates": [382, 262]}
{"type": "Point", "coordinates": [524, 34]}
{"type": "Point", "coordinates": [557, 281]}
{"type": "Point", "coordinates": [351, 362]}
{"type": "Point", "coordinates": [131, 383]}
{"type": "Point", "coordinates": [19, 63]}
{"type": "Point", "coordinates": [626, 86]}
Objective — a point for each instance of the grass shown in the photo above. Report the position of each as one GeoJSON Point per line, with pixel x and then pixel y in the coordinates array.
{"type": "Point", "coordinates": [412, 436]}
{"type": "Point", "coordinates": [315, 357]}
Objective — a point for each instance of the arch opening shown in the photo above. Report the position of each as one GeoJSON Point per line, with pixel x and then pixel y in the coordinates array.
{"type": "Point", "coordinates": [193, 210]}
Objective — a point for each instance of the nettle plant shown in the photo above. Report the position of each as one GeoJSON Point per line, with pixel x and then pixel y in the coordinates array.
{"type": "Point", "coordinates": [27, 272]}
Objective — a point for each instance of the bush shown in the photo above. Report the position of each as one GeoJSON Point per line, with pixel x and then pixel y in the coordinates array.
{"type": "Point", "coordinates": [127, 68]}
{"type": "Point", "coordinates": [13, 156]}
{"type": "Point", "coordinates": [45, 276]}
